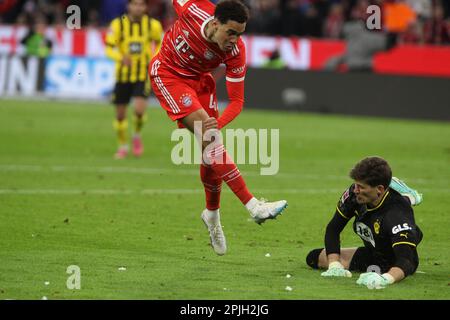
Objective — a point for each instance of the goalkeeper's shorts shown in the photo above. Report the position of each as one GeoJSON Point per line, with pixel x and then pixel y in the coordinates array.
{"type": "Point", "coordinates": [364, 260]}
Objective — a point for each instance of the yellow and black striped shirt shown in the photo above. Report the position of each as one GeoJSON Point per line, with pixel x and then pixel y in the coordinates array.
{"type": "Point", "coordinates": [140, 41]}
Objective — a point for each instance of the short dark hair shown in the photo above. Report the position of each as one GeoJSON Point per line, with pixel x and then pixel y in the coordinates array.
{"type": "Point", "coordinates": [374, 171]}
{"type": "Point", "coordinates": [233, 10]}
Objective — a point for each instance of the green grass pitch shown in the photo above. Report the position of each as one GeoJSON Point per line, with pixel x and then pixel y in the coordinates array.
{"type": "Point", "coordinates": [65, 201]}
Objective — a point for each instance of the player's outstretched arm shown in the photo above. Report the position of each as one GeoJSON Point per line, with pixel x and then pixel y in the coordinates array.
{"type": "Point", "coordinates": [332, 247]}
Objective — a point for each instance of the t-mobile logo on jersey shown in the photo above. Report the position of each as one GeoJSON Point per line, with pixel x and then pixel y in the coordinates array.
{"type": "Point", "coordinates": [257, 151]}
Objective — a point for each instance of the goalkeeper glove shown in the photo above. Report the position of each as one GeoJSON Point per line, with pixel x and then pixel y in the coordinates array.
{"type": "Point", "coordinates": [374, 280]}
{"type": "Point", "coordinates": [336, 269]}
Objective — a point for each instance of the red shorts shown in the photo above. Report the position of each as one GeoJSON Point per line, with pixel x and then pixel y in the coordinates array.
{"type": "Point", "coordinates": [180, 96]}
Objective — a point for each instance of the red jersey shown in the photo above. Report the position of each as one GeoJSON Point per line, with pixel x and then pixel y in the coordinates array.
{"type": "Point", "coordinates": [186, 50]}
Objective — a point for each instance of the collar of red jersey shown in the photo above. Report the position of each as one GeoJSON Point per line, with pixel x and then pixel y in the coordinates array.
{"type": "Point", "coordinates": [202, 29]}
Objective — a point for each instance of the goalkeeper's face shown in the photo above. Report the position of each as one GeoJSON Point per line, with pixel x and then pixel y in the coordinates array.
{"type": "Point", "coordinates": [366, 194]}
{"type": "Point", "coordinates": [227, 34]}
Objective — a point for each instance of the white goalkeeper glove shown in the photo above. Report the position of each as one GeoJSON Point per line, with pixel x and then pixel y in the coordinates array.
{"type": "Point", "coordinates": [374, 280]}
{"type": "Point", "coordinates": [336, 269]}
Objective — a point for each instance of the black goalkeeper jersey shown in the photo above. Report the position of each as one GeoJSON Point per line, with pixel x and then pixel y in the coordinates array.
{"type": "Point", "coordinates": [384, 227]}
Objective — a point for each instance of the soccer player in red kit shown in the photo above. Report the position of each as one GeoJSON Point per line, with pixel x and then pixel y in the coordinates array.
{"type": "Point", "coordinates": [203, 37]}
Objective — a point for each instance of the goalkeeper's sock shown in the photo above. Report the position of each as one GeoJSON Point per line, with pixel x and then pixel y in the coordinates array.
{"type": "Point", "coordinates": [213, 185]}
{"type": "Point", "coordinates": [138, 122]}
{"type": "Point", "coordinates": [121, 127]}
{"type": "Point", "coordinates": [226, 169]}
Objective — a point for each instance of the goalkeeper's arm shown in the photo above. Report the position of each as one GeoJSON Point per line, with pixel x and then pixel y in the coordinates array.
{"type": "Point", "coordinates": [332, 237]}
{"type": "Point", "coordinates": [404, 264]}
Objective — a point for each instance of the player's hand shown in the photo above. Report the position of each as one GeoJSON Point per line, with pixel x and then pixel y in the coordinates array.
{"type": "Point", "coordinates": [374, 280]}
{"type": "Point", "coordinates": [210, 123]}
{"type": "Point", "coordinates": [336, 269]}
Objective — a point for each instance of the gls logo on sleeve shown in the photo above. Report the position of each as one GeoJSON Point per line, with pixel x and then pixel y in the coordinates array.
{"type": "Point", "coordinates": [399, 228]}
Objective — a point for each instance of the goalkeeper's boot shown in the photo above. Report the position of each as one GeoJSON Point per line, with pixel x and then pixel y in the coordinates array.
{"type": "Point", "coordinates": [216, 235]}
{"type": "Point", "coordinates": [414, 197]}
{"type": "Point", "coordinates": [122, 152]}
{"type": "Point", "coordinates": [138, 147]}
{"type": "Point", "coordinates": [264, 210]}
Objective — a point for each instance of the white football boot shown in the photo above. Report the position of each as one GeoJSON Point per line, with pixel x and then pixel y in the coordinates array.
{"type": "Point", "coordinates": [216, 235]}
{"type": "Point", "coordinates": [263, 210]}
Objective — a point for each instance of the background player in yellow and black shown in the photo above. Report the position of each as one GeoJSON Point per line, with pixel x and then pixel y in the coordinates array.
{"type": "Point", "coordinates": [132, 40]}
{"type": "Point", "coordinates": [384, 220]}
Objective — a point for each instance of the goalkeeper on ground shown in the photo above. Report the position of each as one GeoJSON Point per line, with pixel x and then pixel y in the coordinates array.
{"type": "Point", "coordinates": [384, 220]}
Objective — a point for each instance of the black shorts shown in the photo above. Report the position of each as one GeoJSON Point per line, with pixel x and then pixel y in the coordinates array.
{"type": "Point", "coordinates": [124, 91]}
{"type": "Point", "coordinates": [363, 258]}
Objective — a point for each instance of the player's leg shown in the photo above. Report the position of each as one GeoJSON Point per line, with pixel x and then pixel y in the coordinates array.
{"type": "Point", "coordinates": [178, 98]}
{"type": "Point", "coordinates": [222, 164]}
{"type": "Point", "coordinates": [211, 215]}
{"type": "Point", "coordinates": [414, 197]}
{"type": "Point", "coordinates": [318, 259]}
{"type": "Point", "coordinates": [212, 183]}
{"type": "Point", "coordinates": [121, 98]}
{"type": "Point", "coordinates": [207, 96]}
{"type": "Point", "coordinates": [139, 118]}
{"type": "Point", "coordinates": [213, 186]}
{"type": "Point", "coordinates": [218, 159]}
{"type": "Point", "coordinates": [141, 92]}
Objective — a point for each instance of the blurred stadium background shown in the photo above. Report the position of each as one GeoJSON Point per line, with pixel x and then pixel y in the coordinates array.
{"type": "Point", "coordinates": [315, 73]}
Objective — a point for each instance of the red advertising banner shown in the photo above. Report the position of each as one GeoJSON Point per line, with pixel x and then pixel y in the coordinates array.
{"type": "Point", "coordinates": [415, 60]}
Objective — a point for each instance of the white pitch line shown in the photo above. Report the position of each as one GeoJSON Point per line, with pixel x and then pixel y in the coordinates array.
{"type": "Point", "coordinates": [147, 191]}
{"type": "Point", "coordinates": [172, 191]}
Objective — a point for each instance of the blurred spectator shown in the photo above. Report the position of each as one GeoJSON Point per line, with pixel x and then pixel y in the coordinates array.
{"type": "Point", "coordinates": [362, 45]}
{"type": "Point", "coordinates": [421, 7]}
{"type": "Point", "coordinates": [35, 42]}
{"type": "Point", "coordinates": [292, 17]}
{"type": "Point", "coordinates": [10, 10]}
{"type": "Point", "coordinates": [265, 18]}
{"type": "Point", "coordinates": [312, 24]}
{"type": "Point", "coordinates": [111, 9]}
{"type": "Point", "coordinates": [359, 10]}
{"type": "Point", "coordinates": [413, 34]}
{"type": "Point", "coordinates": [6, 9]}
{"type": "Point", "coordinates": [437, 29]}
{"type": "Point", "coordinates": [398, 16]}
{"type": "Point", "coordinates": [412, 21]}
{"type": "Point", "coordinates": [334, 22]}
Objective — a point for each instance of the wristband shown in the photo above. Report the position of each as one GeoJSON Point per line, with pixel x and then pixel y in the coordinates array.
{"type": "Point", "coordinates": [390, 279]}
{"type": "Point", "coordinates": [335, 264]}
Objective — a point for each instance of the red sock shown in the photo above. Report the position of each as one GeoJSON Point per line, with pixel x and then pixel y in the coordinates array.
{"type": "Point", "coordinates": [225, 168]}
{"type": "Point", "coordinates": [212, 184]}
